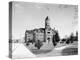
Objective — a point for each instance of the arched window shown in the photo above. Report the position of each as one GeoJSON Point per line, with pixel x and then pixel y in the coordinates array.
{"type": "Point", "coordinates": [48, 38]}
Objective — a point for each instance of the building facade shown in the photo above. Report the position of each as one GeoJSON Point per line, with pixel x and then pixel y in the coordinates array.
{"type": "Point", "coordinates": [41, 34]}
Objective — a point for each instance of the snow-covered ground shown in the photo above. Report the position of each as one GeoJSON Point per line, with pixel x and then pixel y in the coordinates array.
{"type": "Point", "coordinates": [22, 51]}
{"type": "Point", "coordinates": [57, 51]}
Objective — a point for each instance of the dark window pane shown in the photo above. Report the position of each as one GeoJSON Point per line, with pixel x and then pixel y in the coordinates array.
{"type": "Point", "coordinates": [48, 32]}
{"type": "Point", "coordinates": [48, 38]}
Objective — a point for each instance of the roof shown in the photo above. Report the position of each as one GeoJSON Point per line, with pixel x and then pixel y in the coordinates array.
{"type": "Point", "coordinates": [42, 28]}
{"type": "Point", "coordinates": [29, 31]}
{"type": "Point", "coordinates": [47, 18]}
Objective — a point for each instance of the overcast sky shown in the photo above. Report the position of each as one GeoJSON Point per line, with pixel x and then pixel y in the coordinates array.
{"type": "Point", "coordinates": [27, 16]}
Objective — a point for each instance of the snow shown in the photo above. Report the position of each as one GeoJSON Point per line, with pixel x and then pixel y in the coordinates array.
{"type": "Point", "coordinates": [56, 51]}
{"type": "Point", "coordinates": [21, 52]}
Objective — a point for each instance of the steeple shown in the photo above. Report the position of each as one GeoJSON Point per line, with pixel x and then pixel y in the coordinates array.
{"type": "Point", "coordinates": [47, 18]}
{"type": "Point", "coordinates": [47, 23]}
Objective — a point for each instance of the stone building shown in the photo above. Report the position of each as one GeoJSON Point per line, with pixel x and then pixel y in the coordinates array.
{"type": "Point", "coordinates": [39, 34]}
{"type": "Point", "coordinates": [42, 34]}
{"type": "Point", "coordinates": [29, 35]}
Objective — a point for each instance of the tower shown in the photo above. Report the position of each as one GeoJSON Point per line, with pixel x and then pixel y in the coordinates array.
{"type": "Point", "coordinates": [47, 23]}
{"type": "Point", "coordinates": [48, 30]}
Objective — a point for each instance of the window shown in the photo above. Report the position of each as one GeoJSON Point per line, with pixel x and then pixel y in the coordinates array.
{"type": "Point", "coordinates": [48, 38]}
{"type": "Point", "coordinates": [48, 32]}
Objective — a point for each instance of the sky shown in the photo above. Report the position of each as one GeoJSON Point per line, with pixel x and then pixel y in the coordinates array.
{"type": "Point", "coordinates": [28, 16]}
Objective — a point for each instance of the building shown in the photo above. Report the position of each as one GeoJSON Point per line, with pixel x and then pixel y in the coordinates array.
{"type": "Point", "coordinates": [42, 34]}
